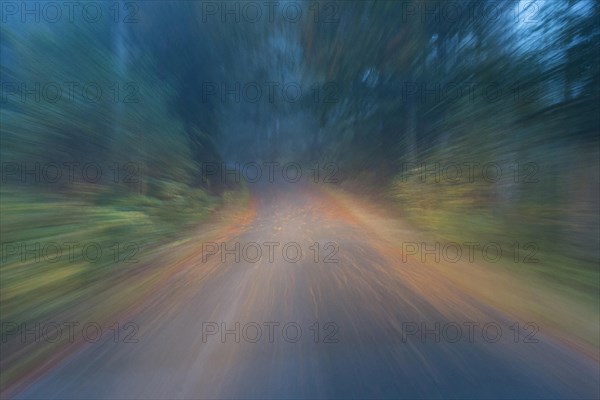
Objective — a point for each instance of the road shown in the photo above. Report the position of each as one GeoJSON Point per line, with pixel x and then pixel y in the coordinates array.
{"type": "Point", "coordinates": [346, 322]}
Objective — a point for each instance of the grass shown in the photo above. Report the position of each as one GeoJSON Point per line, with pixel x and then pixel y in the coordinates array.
{"type": "Point", "coordinates": [469, 213]}
{"type": "Point", "coordinates": [44, 266]}
{"type": "Point", "coordinates": [146, 228]}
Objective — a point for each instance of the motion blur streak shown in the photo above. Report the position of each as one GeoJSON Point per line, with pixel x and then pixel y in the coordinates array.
{"type": "Point", "coordinates": [300, 199]}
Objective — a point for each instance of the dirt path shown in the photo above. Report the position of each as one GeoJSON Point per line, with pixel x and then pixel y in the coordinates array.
{"type": "Point", "coordinates": [332, 309]}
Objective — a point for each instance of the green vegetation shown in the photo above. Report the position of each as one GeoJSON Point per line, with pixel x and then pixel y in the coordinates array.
{"type": "Point", "coordinates": [382, 92]}
{"type": "Point", "coordinates": [76, 95]}
{"type": "Point", "coordinates": [59, 244]}
{"type": "Point", "coordinates": [553, 246]}
{"type": "Point", "coordinates": [440, 92]}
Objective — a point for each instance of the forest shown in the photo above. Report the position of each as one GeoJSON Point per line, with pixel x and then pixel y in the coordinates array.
{"type": "Point", "coordinates": [127, 126]}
